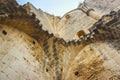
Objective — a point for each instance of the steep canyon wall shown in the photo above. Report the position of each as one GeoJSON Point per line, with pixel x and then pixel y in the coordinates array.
{"type": "Point", "coordinates": [35, 45]}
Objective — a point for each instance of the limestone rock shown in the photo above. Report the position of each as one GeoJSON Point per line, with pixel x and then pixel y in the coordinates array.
{"type": "Point", "coordinates": [35, 45]}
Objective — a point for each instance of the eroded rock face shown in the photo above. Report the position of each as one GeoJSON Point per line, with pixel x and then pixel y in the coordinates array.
{"type": "Point", "coordinates": [37, 46]}
{"type": "Point", "coordinates": [18, 55]}
{"type": "Point", "coordinates": [95, 61]}
{"type": "Point", "coordinates": [104, 6]}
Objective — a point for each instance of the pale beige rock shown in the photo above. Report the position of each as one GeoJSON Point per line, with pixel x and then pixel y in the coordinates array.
{"type": "Point", "coordinates": [95, 62]}
{"type": "Point", "coordinates": [23, 56]}
{"type": "Point", "coordinates": [17, 61]}
{"type": "Point", "coordinates": [104, 6]}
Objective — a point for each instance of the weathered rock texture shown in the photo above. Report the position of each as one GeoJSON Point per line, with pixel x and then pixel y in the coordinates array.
{"type": "Point", "coordinates": [82, 45]}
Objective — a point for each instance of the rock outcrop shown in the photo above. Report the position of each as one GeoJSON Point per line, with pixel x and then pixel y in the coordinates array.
{"type": "Point", "coordinates": [82, 45]}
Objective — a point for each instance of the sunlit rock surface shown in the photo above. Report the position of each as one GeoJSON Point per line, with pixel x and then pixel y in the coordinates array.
{"type": "Point", "coordinates": [17, 55]}
{"type": "Point", "coordinates": [84, 44]}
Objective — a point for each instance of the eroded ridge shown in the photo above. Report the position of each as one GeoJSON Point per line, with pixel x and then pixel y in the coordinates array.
{"type": "Point", "coordinates": [103, 26]}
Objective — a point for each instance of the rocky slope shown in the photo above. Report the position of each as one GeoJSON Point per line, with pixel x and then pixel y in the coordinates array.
{"type": "Point", "coordinates": [82, 45]}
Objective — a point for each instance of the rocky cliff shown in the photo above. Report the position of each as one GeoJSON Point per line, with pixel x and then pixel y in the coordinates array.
{"type": "Point", "coordinates": [82, 45]}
